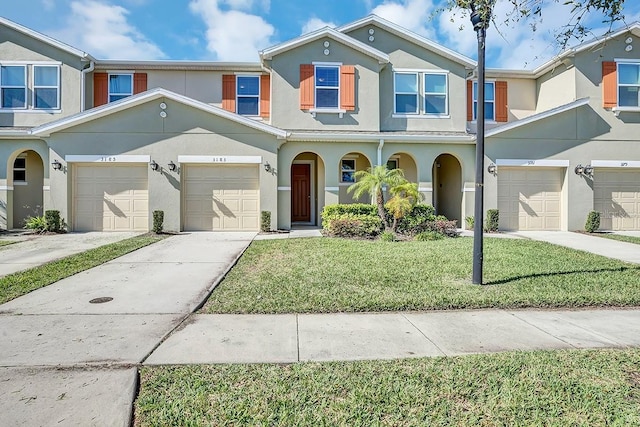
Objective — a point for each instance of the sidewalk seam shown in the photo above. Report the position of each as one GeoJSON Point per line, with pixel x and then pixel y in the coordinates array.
{"type": "Point", "coordinates": [424, 335]}
{"type": "Point", "coordinates": [513, 314]}
{"type": "Point", "coordinates": [298, 336]}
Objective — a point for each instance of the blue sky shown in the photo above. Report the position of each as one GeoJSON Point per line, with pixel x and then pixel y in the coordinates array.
{"type": "Point", "coordinates": [235, 30]}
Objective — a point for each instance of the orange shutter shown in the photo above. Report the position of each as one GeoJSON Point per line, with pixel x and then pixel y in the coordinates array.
{"type": "Point", "coordinates": [265, 95]}
{"type": "Point", "coordinates": [502, 114]}
{"type": "Point", "coordinates": [229, 92]}
{"type": "Point", "coordinates": [307, 86]}
{"type": "Point", "coordinates": [100, 89]}
{"type": "Point", "coordinates": [139, 82]}
{"type": "Point", "coordinates": [609, 84]}
{"type": "Point", "coordinates": [348, 87]}
{"type": "Point", "coordinates": [469, 100]}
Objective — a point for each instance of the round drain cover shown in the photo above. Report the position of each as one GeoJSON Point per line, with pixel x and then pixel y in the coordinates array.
{"type": "Point", "coordinates": [100, 300]}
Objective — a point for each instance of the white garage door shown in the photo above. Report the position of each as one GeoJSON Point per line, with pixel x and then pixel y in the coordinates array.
{"type": "Point", "coordinates": [221, 197]}
{"type": "Point", "coordinates": [617, 198]}
{"type": "Point", "coordinates": [530, 198]}
{"type": "Point", "coordinates": [110, 197]}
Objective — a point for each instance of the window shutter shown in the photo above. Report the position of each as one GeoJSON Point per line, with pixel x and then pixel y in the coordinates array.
{"type": "Point", "coordinates": [609, 84]}
{"type": "Point", "coordinates": [139, 82]}
{"type": "Point", "coordinates": [229, 92]}
{"type": "Point", "coordinates": [307, 86]}
{"type": "Point", "coordinates": [502, 115]}
{"type": "Point", "coordinates": [348, 87]}
{"type": "Point", "coordinates": [469, 100]}
{"type": "Point", "coordinates": [100, 89]}
{"type": "Point", "coordinates": [265, 95]}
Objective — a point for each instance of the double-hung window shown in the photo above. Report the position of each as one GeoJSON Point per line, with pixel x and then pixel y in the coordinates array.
{"type": "Point", "coordinates": [421, 93]}
{"type": "Point", "coordinates": [248, 95]}
{"type": "Point", "coordinates": [628, 85]}
{"type": "Point", "coordinates": [489, 101]}
{"type": "Point", "coordinates": [46, 89]}
{"type": "Point", "coordinates": [348, 169]}
{"type": "Point", "coordinates": [406, 93]}
{"type": "Point", "coordinates": [435, 94]}
{"type": "Point", "coordinates": [327, 86]}
{"type": "Point", "coordinates": [13, 86]}
{"type": "Point", "coordinates": [120, 86]}
{"type": "Point", "coordinates": [20, 170]}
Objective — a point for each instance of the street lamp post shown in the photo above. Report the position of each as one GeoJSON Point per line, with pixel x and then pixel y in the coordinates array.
{"type": "Point", "coordinates": [479, 19]}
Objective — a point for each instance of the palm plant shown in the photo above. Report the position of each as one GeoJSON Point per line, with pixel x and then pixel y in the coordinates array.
{"type": "Point", "coordinates": [373, 181]}
{"type": "Point", "coordinates": [405, 197]}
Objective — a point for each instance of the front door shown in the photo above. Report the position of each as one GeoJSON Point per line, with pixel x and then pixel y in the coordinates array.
{"type": "Point", "coordinates": [301, 193]}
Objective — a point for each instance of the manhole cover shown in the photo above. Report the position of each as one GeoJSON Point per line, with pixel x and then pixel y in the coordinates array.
{"type": "Point", "coordinates": [100, 300]}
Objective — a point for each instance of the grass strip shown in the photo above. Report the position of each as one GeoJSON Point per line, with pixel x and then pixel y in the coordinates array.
{"type": "Point", "coordinates": [20, 283]}
{"type": "Point", "coordinates": [6, 242]}
{"type": "Point", "coordinates": [340, 275]}
{"type": "Point", "coordinates": [619, 237]}
{"type": "Point", "coordinates": [551, 388]}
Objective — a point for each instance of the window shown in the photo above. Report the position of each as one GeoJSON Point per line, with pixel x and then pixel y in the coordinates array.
{"type": "Point", "coordinates": [435, 94]}
{"type": "Point", "coordinates": [120, 86]}
{"type": "Point", "coordinates": [348, 169]}
{"type": "Point", "coordinates": [406, 93]}
{"type": "Point", "coordinates": [392, 164]}
{"type": "Point", "coordinates": [13, 85]}
{"type": "Point", "coordinates": [410, 86]}
{"type": "Point", "coordinates": [628, 85]}
{"type": "Point", "coordinates": [248, 95]}
{"type": "Point", "coordinates": [489, 101]}
{"type": "Point", "coordinates": [327, 79]}
{"type": "Point", "coordinates": [46, 87]}
{"type": "Point", "coordinates": [20, 169]}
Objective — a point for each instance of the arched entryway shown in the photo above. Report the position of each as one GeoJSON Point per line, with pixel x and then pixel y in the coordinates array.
{"type": "Point", "coordinates": [349, 165]}
{"type": "Point", "coordinates": [307, 169]}
{"type": "Point", "coordinates": [26, 173]}
{"type": "Point", "coordinates": [447, 184]}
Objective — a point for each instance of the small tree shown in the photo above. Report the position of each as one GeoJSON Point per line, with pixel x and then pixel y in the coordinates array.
{"type": "Point", "coordinates": [405, 197]}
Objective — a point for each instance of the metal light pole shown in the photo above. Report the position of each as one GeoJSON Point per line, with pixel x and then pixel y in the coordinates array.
{"type": "Point", "coordinates": [479, 22]}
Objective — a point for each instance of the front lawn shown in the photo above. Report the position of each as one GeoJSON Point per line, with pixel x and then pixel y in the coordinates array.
{"type": "Point", "coordinates": [20, 283]}
{"type": "Point", "coordinates": [619, 237]}
{"type": "Point", "coordinates": [559, 388]}
{"type": "Point", "coordinates": [6, 242]}
{"type": "Point", "coordinates": [340, 275]}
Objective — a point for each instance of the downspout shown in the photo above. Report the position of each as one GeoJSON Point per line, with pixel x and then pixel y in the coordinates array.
{"type": "Point", "coordinates": [380, 145]}
{"type": "Point", "coordinates": [83, 89]}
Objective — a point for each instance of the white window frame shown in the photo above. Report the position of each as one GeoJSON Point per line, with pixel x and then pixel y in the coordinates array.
{"type": "Point", "coordinates": [351, 171]}
{"type": "Point", "coordinates": [13, 174]}
{"type": "Point", "coordinates": [57, 87]}
{"type": "Point", "coordinates": [25, 87]}
{"type": "Point", "coordinates": [421, 100]}
{"type": "Point", "coordinates": [109, 93]}
{"type": "Point", "coordinates": [317, 65]}
{"type": "Point", "coordinates": [258, 96]}
{"type": "Point", "coordinates": [446, 93]}
{"type": "Point", "coordinates": [417, 93]}
{"type": "Point", "coordinates": [618, 84]}
{"type": "Point", "coordinates": [393, 159]}
{"type": "Point", "coordinates": [474, 90]}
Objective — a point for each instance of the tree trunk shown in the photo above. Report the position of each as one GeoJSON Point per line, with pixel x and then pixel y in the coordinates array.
{"type": "Point", "coordinates": [381, 212]}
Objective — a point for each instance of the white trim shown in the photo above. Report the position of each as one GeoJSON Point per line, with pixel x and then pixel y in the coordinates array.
{"type": "Point", "coordinates": [626, 60]}
{"type": "Point", "coordinates": [532, 162]}
{"type": "Point", "coordinates": [56, 87]}
{"type": "Point", "coordinates": [375, 137]}
{"type": "Point", "coordinates": [421, 116]}
{"type": "Point", "coordinates": [422, 70]}
{"type": "Point", "coordinates": [20, 183]}
{"type": "Point", "coordinates": [327, 64]}
{"type": "Point", "coordinates": [107, 158]}
{"type": "Point", "coordinates": [30, 110]}
{"type": "Point", "coordinates": [618, 110]}
{"type": "Point", "coordinates": [615, 163]}
{"type": "Point", "coordinates": [247, 73]}
{"type": "Point", "coordinates": [468, 190]}
{"type": "Point", "coordinates": [221, 159]}
{"type": "Point", "coordinates": [284, 188]}
{"type": "Point", "coordinates": [425, 189]}
{"type": "Point", "coordinates": [3, 62]}
{"type": "Point", "coordinates": [6, 188]}
{"type": "Point", "coordinates": [46, 188]}
{"type": "Point", "coordinates": [333, 188]}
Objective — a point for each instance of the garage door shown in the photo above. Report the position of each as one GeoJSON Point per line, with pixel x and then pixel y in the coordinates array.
{"type": "Point", "coordinates": [530, 198]}
{"type": "Point", "coordinates": [221, 197]}
{"type": "Point", "coordinates": [617, 198]}
{"type": "Point", "coordinates": [110, 197]}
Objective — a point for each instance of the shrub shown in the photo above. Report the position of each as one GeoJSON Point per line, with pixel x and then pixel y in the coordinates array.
{"type": "Point", "coordinates": [331, 211]}
{"type": "Point", "coordinates": [53, 222]}
{"type": "Point", "coordinates": [351, 225]}
{"type": "Point", "coordinates": [388, 236]}
{"type": "Point", "coordinates": [265, 221]}
{"type": "Point", "coordinates": [428, 236]}
{"type": "Point", "coordinates": [36, 223]}
{"type": "Point", "coordinates": [593, 221]}
{"type": "Point", "coordinates": [492, 222]}
{"type": "Point", "coordinates": [470, 221]}
{"type": "Point", "coordinates": [416, 218]}
{"type": "Point", "coordinates": [158, 220]}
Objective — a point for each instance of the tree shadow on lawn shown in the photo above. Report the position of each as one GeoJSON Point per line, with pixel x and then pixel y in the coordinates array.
{"type": "Point", "coordinates": [559, 273]}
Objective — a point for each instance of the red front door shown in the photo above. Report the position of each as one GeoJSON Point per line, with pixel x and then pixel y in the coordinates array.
{"type": "Point", "coordinates": [301, 193]}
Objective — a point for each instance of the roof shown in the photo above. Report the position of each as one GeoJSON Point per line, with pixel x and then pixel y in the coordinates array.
{"type": "Point", "coordinates": [537, 117]}
{"type": "Point", "coordinates": [178, 65]}
{"type": "Point", "coordinates": [410, 36]}
{"type": "Point", "coordinates": [144, 97]}
{"type": "Point", "coordinates": [357, 45]}
{"type": "Point", "coordinates": [44, 38]}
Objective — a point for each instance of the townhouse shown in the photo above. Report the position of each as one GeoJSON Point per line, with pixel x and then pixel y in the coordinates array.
{"type": "Point", "coordinates": [213, 144]}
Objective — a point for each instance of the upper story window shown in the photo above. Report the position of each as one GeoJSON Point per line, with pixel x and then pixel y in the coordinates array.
{"type": "Point", "coordinates": [628, 85]}
{"type": "Point", "coordinates": [421, 92]}
{"type": "Point", "coordinates": [489, 101]}
{"type": "Point", "coordinates": [327, 80]}
{"type": "Point", "coordinates": [13, 85]}
{"type": "Point", "coordinates": [46, 90]}
{"type": "Point", "coordinates": [120, 86]}
{"type": "Point", "coordinates": [248, 95]}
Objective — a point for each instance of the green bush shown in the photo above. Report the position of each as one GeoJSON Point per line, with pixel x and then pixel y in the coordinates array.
{"type": "Point", "coordinates": [352, 225]}
{"type": "Point", "coordinates": [470, 221]}
{"type": "Point", "coordinates": [593, 221]}
{"type": "Point", "coordinates": [387, 236]}
{"type": "Point", "coordinates": [415, 220]}
{"type": "Point", "coordinates": [36, 223]}
{"type": "Point", "coordinates": [265, 221]}
{"type": "Point", "coordinates": [158, 221]}
{"type": "Point", "coordinates": [492, 222]}
{"type": "Point", "coordinates": [53, 222]}
{"type": "Point", "coordinates": [428, 236]}
{"type": "Point", "coordinates": [332, 211]}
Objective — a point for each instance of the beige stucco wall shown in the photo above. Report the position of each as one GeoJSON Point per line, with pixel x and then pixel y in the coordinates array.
{"type": "Point", "coordinates": [16, 46]}
{"type": "Point", "coordinates": [141, 130]}
{"type": "Point", "coordinates": [204, 86]}
{"type": "Point", "coordinates": [557, 87]}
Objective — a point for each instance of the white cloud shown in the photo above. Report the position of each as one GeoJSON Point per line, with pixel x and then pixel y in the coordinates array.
{"type": "Point", "coordinates": [315, 24]}
{"type": "Point", "coordinates": [48, 4]}
{"type": "Point", "coordinates": [413, 15]}
{"type": "Point", "coordinates": [103, 30]}
{"type": "Point", "coordinates": [233, 35]}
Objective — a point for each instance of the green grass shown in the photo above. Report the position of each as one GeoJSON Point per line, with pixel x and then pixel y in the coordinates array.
{"type": "Point", "coordinates": [340, 275]}
{"type": "Point", "coordinates": [619, 237]}
{"type": "Point", "coordinates": [6, 242]}
{"type": "Point", "coordinates": [555, 388]}
{"type": "Point", "coordinates": [18, 284]}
